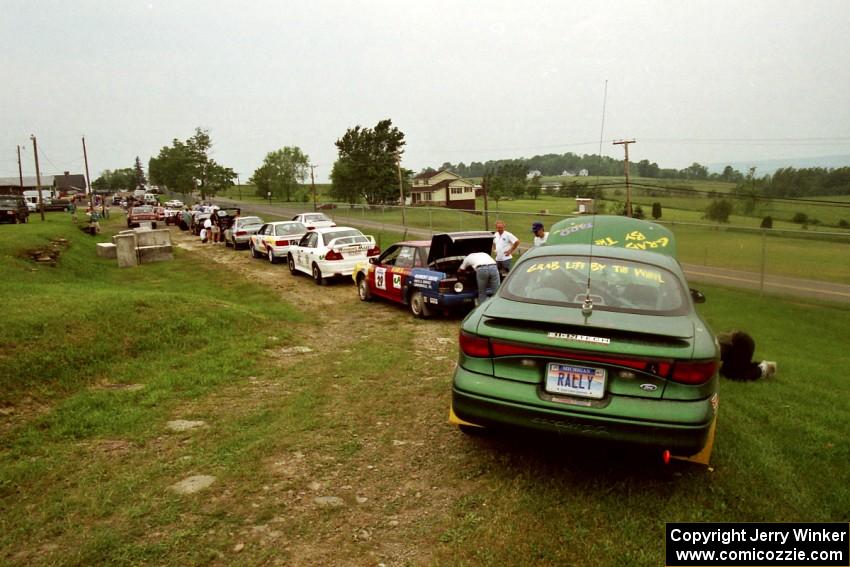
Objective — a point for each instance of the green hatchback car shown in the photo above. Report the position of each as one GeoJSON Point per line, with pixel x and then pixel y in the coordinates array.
{"type": "Point", "coordinates": [593, 335]}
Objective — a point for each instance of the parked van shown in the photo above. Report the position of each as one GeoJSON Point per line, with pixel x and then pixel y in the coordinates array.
{"type": "Point", "coordinates": [151, 199]}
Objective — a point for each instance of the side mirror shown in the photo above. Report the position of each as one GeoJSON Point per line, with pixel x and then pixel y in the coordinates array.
{"type": "Point", "coordinates": [373, 260]}
{"type": "Point", "coordinates": [697, 296]}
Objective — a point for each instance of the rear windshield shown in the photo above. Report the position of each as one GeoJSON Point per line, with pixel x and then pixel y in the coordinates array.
{"type": "Point", "coordinates": [316, 217]}
{"type": "Point", "coordinates": [9, 201]}
{"type": "Point", "coordinates": [616, 285]}
{"type": "Point", "coordinates": [290, 228]}
{"type": "Point", "coordinates": [245, 221]}
{"type": "Point", "coordinates": [143, 209]}
{"type": "Point", "coordinates": [328, 236]}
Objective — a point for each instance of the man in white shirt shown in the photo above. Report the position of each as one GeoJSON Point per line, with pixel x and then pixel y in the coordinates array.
{"type": "Point", "coordinates": [486, 274]}
{"type": "Point", "coordinates": [540, 235]}
{"type": "Point", "coordinates": [504, 244]}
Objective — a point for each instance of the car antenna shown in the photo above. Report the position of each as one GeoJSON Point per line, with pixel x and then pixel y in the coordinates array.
{"type": "Point", "coordinates": [587, 306]}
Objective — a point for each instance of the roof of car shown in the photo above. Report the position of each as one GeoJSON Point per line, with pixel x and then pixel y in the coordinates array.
{"type": "Point", "coordinates": [615, 232]}
{"type": "Point", "coordinates": [413, 243]}
{"type": "Point", "coordinates": [325, 229]}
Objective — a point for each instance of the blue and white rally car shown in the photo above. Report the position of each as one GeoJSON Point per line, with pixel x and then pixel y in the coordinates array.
{"type": "Point", "coordinates": [424, 274]}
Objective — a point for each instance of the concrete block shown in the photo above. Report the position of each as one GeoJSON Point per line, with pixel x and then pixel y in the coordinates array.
{"type": "Point", "coordinates": [148, 225]}
{"type": "Point", "coordinates": [107, 250]}
{"type": "Point", "coordinates": [160, 237]}
{"type": "Point", "coordinates": [156, 253]}
{"type": "Point", "coordinates": [125, 246]}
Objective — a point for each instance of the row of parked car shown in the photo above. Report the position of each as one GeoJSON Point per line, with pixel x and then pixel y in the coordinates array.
{"type": "Point", "coordinates": [594, 334]}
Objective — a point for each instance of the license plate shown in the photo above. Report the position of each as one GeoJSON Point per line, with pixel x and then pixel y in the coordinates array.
{"type": "Point", "coordinates": [581, 381]}
{"type": "Point", "coordinates": [353, 250]}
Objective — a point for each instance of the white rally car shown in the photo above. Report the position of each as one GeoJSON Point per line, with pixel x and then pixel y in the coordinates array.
{"type": "Point", "coordinates": [330, 252]}
{"type": "Point", "coordinates": [274, 239]}
{"type": "Point", "coordinates": [314, 220]}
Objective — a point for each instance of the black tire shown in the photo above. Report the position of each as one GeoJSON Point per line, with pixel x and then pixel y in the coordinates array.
{"type": "Point", "coordinates": [253, 250]}
{"type": "Point", "coordinates": [153, 225]}
{"type": "Point", "coordinates": [317, 274]}
{"type": "Point", "coordinates": [272, 259]}
{"type": "Point", "coordinates": [363, 289]}
{"type": "Point", "coordinates": [418, 306]}
{"type": "Point", "coordinates": [226, 243]}
{"type": "Point", "coordinates": [290, 261]}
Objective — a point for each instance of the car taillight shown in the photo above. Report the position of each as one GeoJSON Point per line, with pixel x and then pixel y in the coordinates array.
{"type": "Point", "coordinates": [281, 242]}
{"type": "Point", "coordinates": [311, 228]}
{"type": "Point", "coordinates": [374, 251]}
{"type": "Point", "coordinates": [241, 233]}
{"type": "Point", "coordinates": [333, 255]}
{"type": "Point", "coordinates": [473, 345]}
{"type": "Point", "coordinates": [694, 372]}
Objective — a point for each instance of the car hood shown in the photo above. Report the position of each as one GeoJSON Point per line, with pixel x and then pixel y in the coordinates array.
{"type": "Point", "coordinates": [680, 327]}
{"type": "Point", "coordinates": [459, 244]}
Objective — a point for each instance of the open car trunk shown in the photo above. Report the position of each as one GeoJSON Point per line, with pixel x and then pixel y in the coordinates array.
{"type": "Point", "coordinates": [448, 251]}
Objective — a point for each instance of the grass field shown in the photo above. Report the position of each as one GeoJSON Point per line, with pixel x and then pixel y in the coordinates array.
{"type": "Point", "coordinates": [86, 464]}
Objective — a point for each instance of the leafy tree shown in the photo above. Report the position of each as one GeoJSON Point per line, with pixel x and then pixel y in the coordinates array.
{"type": "Point", "coordinates": [139, 174]}
{"type": "Point", "coordinates": [719, 210]}
{"type": "Point", "coordinates": [656, 210]}
{"type": "Point", "coordinates": [646, 169]}
{"type": "Point", "coordinates": [281, 172]}
{"type": "Point", "coordinates": [511, 179]}
{"type": "Point", "coordinates": [535, 186]}
{"type": "Point", "coordinates": [695, 171]}
{"type": "Point", "coordinates": [117, 180]}
{"type": "Point", "coordinates": [767, 222]}
{"type": "Point", "coordinates": [638, 212]}
{"type": "Point", "coordinates": [366, 166]}
{"type": "Point", "coordinates": [843, 223]}
{"type": "Point", "coordinates": [801, 218]}
{"type": "Point", "coordinates": [185, 166]}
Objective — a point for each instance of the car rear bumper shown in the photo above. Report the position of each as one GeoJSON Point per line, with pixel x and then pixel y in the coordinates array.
{"type": "Point", "coordinates": [493, 402]}
{"type": "Point", "coordinates": [341, 267]}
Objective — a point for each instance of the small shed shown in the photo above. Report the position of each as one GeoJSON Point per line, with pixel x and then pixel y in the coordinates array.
{"type": "Point", "coordinates": [584, 206]}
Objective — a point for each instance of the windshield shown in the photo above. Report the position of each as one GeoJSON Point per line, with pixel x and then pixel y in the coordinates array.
{"type": "Point", "coordinates": [617, 285]}
{"type": "Point", "coordinates": [9, 201]}
{"type": "Point", "coordinates": [316, 217]}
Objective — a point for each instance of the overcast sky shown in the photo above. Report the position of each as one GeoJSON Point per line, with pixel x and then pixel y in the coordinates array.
{"type": "Point", "coordinates": [711, 81]}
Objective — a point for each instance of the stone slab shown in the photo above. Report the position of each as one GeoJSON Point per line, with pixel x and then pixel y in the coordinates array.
{"type": "Point", "coordinates": [160, 237]}
{"type": "Point", "coordinates": [125, 245]}
{"type": "Point", "coordinates": [157, 253]}
{"type": "Point", "coordinates": [107, 250]}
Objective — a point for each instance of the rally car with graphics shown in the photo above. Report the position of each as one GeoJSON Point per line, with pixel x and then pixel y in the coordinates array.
{"type": "Point", "coordinates": [330, 252]}
{"type": "Point", "coordinates": [424, 274]}
{"type": "Point", "coordinates": [274, 239]}
{"type": "Point", "coordinates": [594, 335]}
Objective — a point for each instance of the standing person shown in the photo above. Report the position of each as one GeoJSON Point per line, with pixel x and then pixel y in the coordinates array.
{"type": "Point", "coordinates": [72, 208]}
{"type": "Point", "coordinates": [216, 227]}
{"type": "Point", "coordinates": [736, 353]}
{"type": "Point", "coordinates": [208, 229]}
{"type": "Point", "coordinates": [504, 244]}
{"type": "Point", "coordinates": [486, 274]}
{"type": "Point", "coordinates": [540, 235]}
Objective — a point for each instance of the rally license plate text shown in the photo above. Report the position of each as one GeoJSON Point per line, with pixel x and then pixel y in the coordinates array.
{"type": "Point", "coordinates": [575, 380]}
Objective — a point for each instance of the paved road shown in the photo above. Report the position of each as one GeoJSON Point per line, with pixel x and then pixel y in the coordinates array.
{"type": "Point", "coordinates": [779, 285]}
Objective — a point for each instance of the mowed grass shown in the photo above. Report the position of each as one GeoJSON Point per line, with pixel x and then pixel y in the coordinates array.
{"type": "Point", "coordinates": [85, 467]}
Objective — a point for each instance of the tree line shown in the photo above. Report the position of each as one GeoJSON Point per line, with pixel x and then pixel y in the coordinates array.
{"type": "Point", "coordinates": [368, 169]}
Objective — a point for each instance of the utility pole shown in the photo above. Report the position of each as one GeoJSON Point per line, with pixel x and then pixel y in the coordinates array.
{"type": "Point", "coordinates": [20, 171]}
{"type": "Point", "coordinates": [485, 182]}
{"type": "Point", "coordinates": [88, 179]}
{"type": "Point", "coordinates": [313, 183]}
{"type": "Point", "coordinates": [625, 144]}
{"type": "Point", "coordinates": [37, 175]}
{"type": "Point", "coordinates": [401, 186]}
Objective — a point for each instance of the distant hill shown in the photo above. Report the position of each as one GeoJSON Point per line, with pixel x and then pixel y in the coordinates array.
{"type": "Point", "coordinates": [768, 166]}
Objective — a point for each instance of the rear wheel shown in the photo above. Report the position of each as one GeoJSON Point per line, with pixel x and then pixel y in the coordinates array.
{"type": "Point", "coordinates": [363, 289]}
{"type": "Point", "coordinates": [418, 306]}
{"type": "Point", "coordinates": [254, 253]}
{"type": "Point", "coordinates": [317, 274]}
{"type": "Point", "coordinates": [272, 259]}
{"type": "Point", "coordinates": [291, 262]}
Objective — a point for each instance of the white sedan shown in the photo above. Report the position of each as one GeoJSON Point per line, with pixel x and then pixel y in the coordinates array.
{"type": "Point", "coordinates": [330, 252]}
{"type": "Point", "coordinates": [314, 220]}
{"type": "Point", "coordinates": [240, 231]}
{"type": "Point", "coordinates": [274, 239]}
